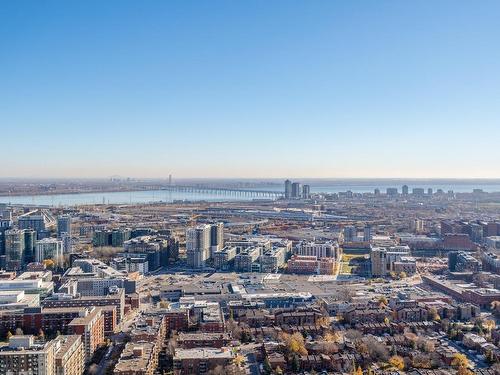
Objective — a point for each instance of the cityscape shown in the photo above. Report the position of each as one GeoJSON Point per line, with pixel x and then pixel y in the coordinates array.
{"type": "Point", "coordinates": [252, 187]}
{"type": "Point", "coordinates": [401, 280]}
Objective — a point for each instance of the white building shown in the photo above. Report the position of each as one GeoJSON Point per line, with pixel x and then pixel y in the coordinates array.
{"type": "Point", "coordinates": [318, 249]}
{"type": "Point", "coordinates": [49, 248]}
{"type": "Point", "coordinates": [198, 245]}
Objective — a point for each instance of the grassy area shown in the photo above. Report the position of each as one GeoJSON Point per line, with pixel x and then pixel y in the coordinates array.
{"type": "Point", "coordinates": [348, 257]}
{"type": "Point", "coordinates": [349, 262]}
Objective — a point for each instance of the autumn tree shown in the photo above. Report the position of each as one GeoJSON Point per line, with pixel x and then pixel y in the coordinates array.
{"type": "Point", "coordinates": [397, 362]}
{"type": "Point", "coordinates": [460, 360]}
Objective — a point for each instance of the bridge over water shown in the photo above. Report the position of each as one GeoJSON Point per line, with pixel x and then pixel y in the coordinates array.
{"type": "Point", "coordinates": [273, 194]}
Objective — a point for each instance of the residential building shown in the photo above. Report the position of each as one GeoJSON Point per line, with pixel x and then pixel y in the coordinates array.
{"type": "Point", "coordinates": [198, 245]}
{"type": "Point", "coordinates": [63, 225]}
{"type": "Point", "coordinates": [49, 248]}
{"type": "Point", "coordinates": [91, 328]}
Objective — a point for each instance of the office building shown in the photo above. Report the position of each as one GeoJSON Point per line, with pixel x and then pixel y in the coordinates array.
{"type": "Point", "coordinates": [404, 190]}
{"type": "Point", "coordinates": [198, 245]}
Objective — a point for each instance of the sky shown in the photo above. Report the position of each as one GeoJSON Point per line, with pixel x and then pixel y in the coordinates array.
{"type": "Point", "coordinates": [250, 88]}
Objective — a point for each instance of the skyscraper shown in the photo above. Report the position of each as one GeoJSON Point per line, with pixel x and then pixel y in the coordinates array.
{"type": "Point", "coordinates": [216, 237]}
{"type": "Point", "coordinates": [405, 190]}
{"type": "Point", "coordinates": [306, 191]}
{"type": "Point", "coordinates": [14, 249]}
{"type": "Point", "coordinates": [296, 190]}
{"type": "Point", "coordinates": [288, 189]}
{"type": "Point", "coordinates": [63, 225]}
{"type": "Point", "coordinates": [198, 245]}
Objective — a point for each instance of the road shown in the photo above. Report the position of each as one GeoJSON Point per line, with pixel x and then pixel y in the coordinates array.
{"type": "Point", "coordinates": [248, 350]}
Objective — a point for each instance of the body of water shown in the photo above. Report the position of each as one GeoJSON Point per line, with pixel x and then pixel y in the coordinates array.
{"type": "Point", "coordinates": [326, 186]}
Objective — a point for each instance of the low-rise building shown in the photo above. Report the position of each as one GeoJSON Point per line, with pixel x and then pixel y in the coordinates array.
{"type": "Point", "coordinates": [201, 360]}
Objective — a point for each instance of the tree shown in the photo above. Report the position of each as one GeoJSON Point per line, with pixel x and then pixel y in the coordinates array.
{"type": "Point", "coordinates": [460, 360]}
{"type": "Point", "coordinates": [433, 314]}
{"type": "Point", "coordinates": [49, 264]}
{"type": "Point", "coordinates": [403, 275]}
{"type": "Point", "coordinates": [19, 331]}
{"type": "Point", "coordinates": [239, 360]}
{"type": "Point", "coordinates": [278, 371]}
{"type": "Point", "coordinates": [397, 362]}
{"type": "Point", "coordinates": [9, 335]}
{"type": "Point", "coordinates": [358, 371]}
{"type": "Point", "coordinates": [464, 371]}
{"type": "Point", "coordinates": [41, 335]}
{"type": "Point", "coordinates": [489, 325]}
{"type": "Point", "coordinates": [382, 301]}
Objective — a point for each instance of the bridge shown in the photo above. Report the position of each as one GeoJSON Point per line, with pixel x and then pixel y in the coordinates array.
{"type": "Point", "coordinates": [273, 194]}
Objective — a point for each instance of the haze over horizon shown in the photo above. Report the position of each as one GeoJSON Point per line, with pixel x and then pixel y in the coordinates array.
{"type": "Point", "coordinates": [250, 89]}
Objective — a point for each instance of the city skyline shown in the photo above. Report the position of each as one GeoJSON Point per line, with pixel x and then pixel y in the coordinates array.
{"type": "Point", "coordinates": [250, 90]}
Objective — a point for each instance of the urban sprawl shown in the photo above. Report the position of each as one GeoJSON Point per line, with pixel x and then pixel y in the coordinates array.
{"type": "Point", "coordinates": [400, 281]}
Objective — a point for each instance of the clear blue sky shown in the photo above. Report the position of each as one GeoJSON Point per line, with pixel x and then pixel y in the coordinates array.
{"type": "Point", "coordinates": [250, 88]}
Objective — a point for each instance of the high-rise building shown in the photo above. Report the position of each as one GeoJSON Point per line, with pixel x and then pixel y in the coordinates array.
{"type": "Point", "coordinates": [49, 248]}
{"type": "Point", "coordinates": [288, 189]}
{"type": "Point", "coordinates": [67, 243]}
{"type": "Point", "coordinates": [33, 220]}
{"type": "Point", "coordinates": [376, 192]}
{"type": "Point", "coordinates": [63, 225]}
{"type": "Point", "coordinates": [14, 249]}
{"type": "Point", "coordinates": [430, 191]}
{"type": "Point", "coordinates": [367, 233]}
{"type": "Point", "coordinates": [198, 245]}
{"type": "Point", "coordinates": [391, 192]}
{"type": "Point", "coordinates": [404, 190]}
{"type": "Point", "coordinates": [383, 259]}
{"type": "Point", "coordinates": [296, 190]}
{"type": "Point", "coordinates": [216, 237]}
{"type": "Point", "coordinates": [91, 329]}
{"type": "Point", "coordinates": [350, 233]}
{"type": "Point", "coordinates": [306, 191]}
{"type": "Point", "coordinates": [30, 238]}
{"type": "Point", "coordinates": [5, 224]}
{"type": "Point", "coordinates": [419, 192]}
